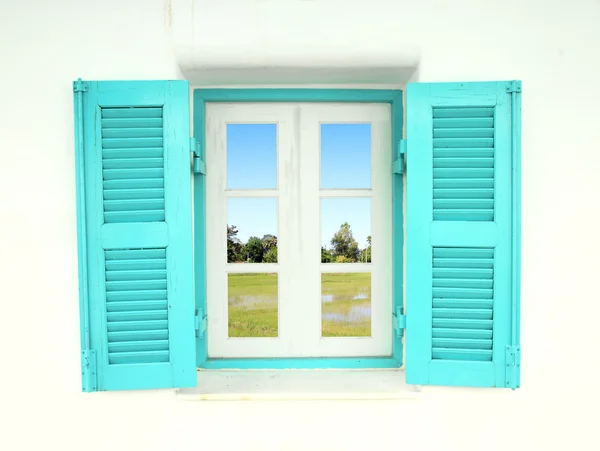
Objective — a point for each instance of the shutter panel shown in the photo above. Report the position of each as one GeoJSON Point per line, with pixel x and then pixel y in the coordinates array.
{"type": "Point", "coordinates": [135, 234]}
{"type": "Point", "coordinates": [463, 203]}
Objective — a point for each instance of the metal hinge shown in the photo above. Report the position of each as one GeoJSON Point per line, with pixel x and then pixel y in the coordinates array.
{"type": "Point", "coordinates": [513, 366]}
{"type": "Point", "coordinates": [201, 323]}
{"type": "Point", "coordinates": [399, 165]}
{"type": "Point", "coordinates": [199, 165]}
{"type": "Point", "coordinates": [80, 86]}
{"type": "Point", "coordinates": [399, 322]}
{"type": "Point", "coordinates": [514, 86]}
{"type": "Point", "coordinates": [89, 374]}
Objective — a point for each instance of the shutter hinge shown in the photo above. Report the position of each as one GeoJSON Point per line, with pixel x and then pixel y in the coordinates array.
{"type": "Point", "coordinates": [88, 370]}
{"type": "Point", "coordinates": [199, 165]}
{"type": "Point", "coordinates": [399, 165]}
{"type": "Point", "coordinates": [513, 366]}
{"type": "Point", "coordinates": [513, 86]}
{"type": "Point", "coordinates": [201, 323]}
{"type": "Point", "coordinates": [80, 86]}
{"type": "Point", "coordinates": [399, 322]}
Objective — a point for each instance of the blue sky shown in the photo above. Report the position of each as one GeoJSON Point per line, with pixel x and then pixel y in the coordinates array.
{"type": "Point", "coordinates": [345, 156]}
{"type": "Point", "coordinates": [345, 163]}
{"type": "Point", "coordinates": [251, 156]}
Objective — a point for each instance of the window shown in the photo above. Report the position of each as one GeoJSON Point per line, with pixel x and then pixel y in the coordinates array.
{"type": "Point", "coordinates": [305, 191]}
{"type": "Point", "coordinates": [245, 272]}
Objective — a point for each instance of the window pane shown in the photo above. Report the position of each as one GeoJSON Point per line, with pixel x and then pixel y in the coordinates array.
{"type": "Point", "coordinates": [346, 230]}
{"type": "Point", "coordinates": [252, 305]}
{"type": "Point", "coordinates": [345, 156]}
{"type": "Point", "coordinates": [252, 230]}
{"type": "Point", "coordinates": [251, 156]}
{"type": "Point", "coordinates": [346, 305]}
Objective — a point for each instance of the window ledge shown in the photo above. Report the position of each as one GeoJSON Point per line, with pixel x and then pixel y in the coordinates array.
{"type": "Point", "coordinates": [283, 385]}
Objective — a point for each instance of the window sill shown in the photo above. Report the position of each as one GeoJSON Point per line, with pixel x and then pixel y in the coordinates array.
{"type": "Point", "coordinates": [287, 385]}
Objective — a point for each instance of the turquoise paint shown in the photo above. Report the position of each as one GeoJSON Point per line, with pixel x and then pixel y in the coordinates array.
{"type": "Point", "coordinates": [397, 227]}
{"type": "Point", "coordinates": [400, 163]}
{"type": "Point", "coordinates": [174, 235]}
{"type": "Point", "coordinates": [394, 98]}
{"type": "Point", "coordinates": [301, 363]}
{"type": "Point", "coordinates": [515, 91]}
{"type": "Point", "coordinates": [298, 95]}
{"type": "Point", "coordinates": [198, 164]}
{"type": "Point", "coordinates": [88, 384]}
{"type": "Point", "coordinates": [423, 234]}
{"type": "Point", "coordinates": [458, 373]}
{"type": "Point", "coordinates": [200, 230]}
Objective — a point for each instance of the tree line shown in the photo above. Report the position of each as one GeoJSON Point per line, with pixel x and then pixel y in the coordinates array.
{"type": "Point", "coordinates": [343, 248]}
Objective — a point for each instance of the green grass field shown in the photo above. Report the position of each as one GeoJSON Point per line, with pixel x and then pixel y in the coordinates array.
{"type": "Point", "coordinates": [253, 305]}
{"type": "Point", "coordinates": [346, 316]}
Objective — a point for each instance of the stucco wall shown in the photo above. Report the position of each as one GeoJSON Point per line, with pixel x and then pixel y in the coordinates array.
{"type": "Point", "coordinates": [551, 45]}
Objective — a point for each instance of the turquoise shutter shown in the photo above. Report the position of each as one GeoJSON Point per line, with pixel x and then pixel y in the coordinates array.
{"type": "Point", "coordinates": [135, 234]}
{"type": "Point", "coordinates": [463, 202]}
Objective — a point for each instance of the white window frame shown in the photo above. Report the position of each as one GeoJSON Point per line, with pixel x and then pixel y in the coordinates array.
{"type": "Point", "coordinates": [299, 268]}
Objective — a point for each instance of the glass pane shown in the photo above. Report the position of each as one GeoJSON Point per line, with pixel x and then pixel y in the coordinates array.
{"type": "Point", "coordinates": [346, 305]}
{"type": "Point", "coordinates": [252, 230]}
{"type": "Point", "coordinates": [252, 305]}
{"type": "Point", "coordinates": [345, 156]}
{"type": "Point", "coordinates": [346, 230]}
{"type": "Point", "coordinates": [251, 156]}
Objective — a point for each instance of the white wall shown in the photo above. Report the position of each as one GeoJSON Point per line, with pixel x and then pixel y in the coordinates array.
{"type": "Point", "coordinates": [551, 45]}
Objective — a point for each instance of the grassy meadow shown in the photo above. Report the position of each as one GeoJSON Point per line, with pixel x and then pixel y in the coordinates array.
{"type": "Point", "coordinates": [252, 300]}
{"type": "Point", "coordinates": [345, 315]}
{"type": "Point", "coordinates": [346, 305]}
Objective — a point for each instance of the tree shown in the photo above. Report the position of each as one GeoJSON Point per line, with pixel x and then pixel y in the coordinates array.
{"type": "Point", "coordinates": [326, 256]}
{"type": "Point", "coordinates": [234, 245]}
{"type": "Point", "coordinates": [269, 242]}
{"type": "Point", "coordinates": [254, 250]}
{"type": "Point", "coordinates": [271, 255]}
{"type": "Point", "coordinates": [365, 255]}
{"type": "Point", "coordinates": [343, 244]}
{"type": "Point", "coordinates": [343, 259]}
